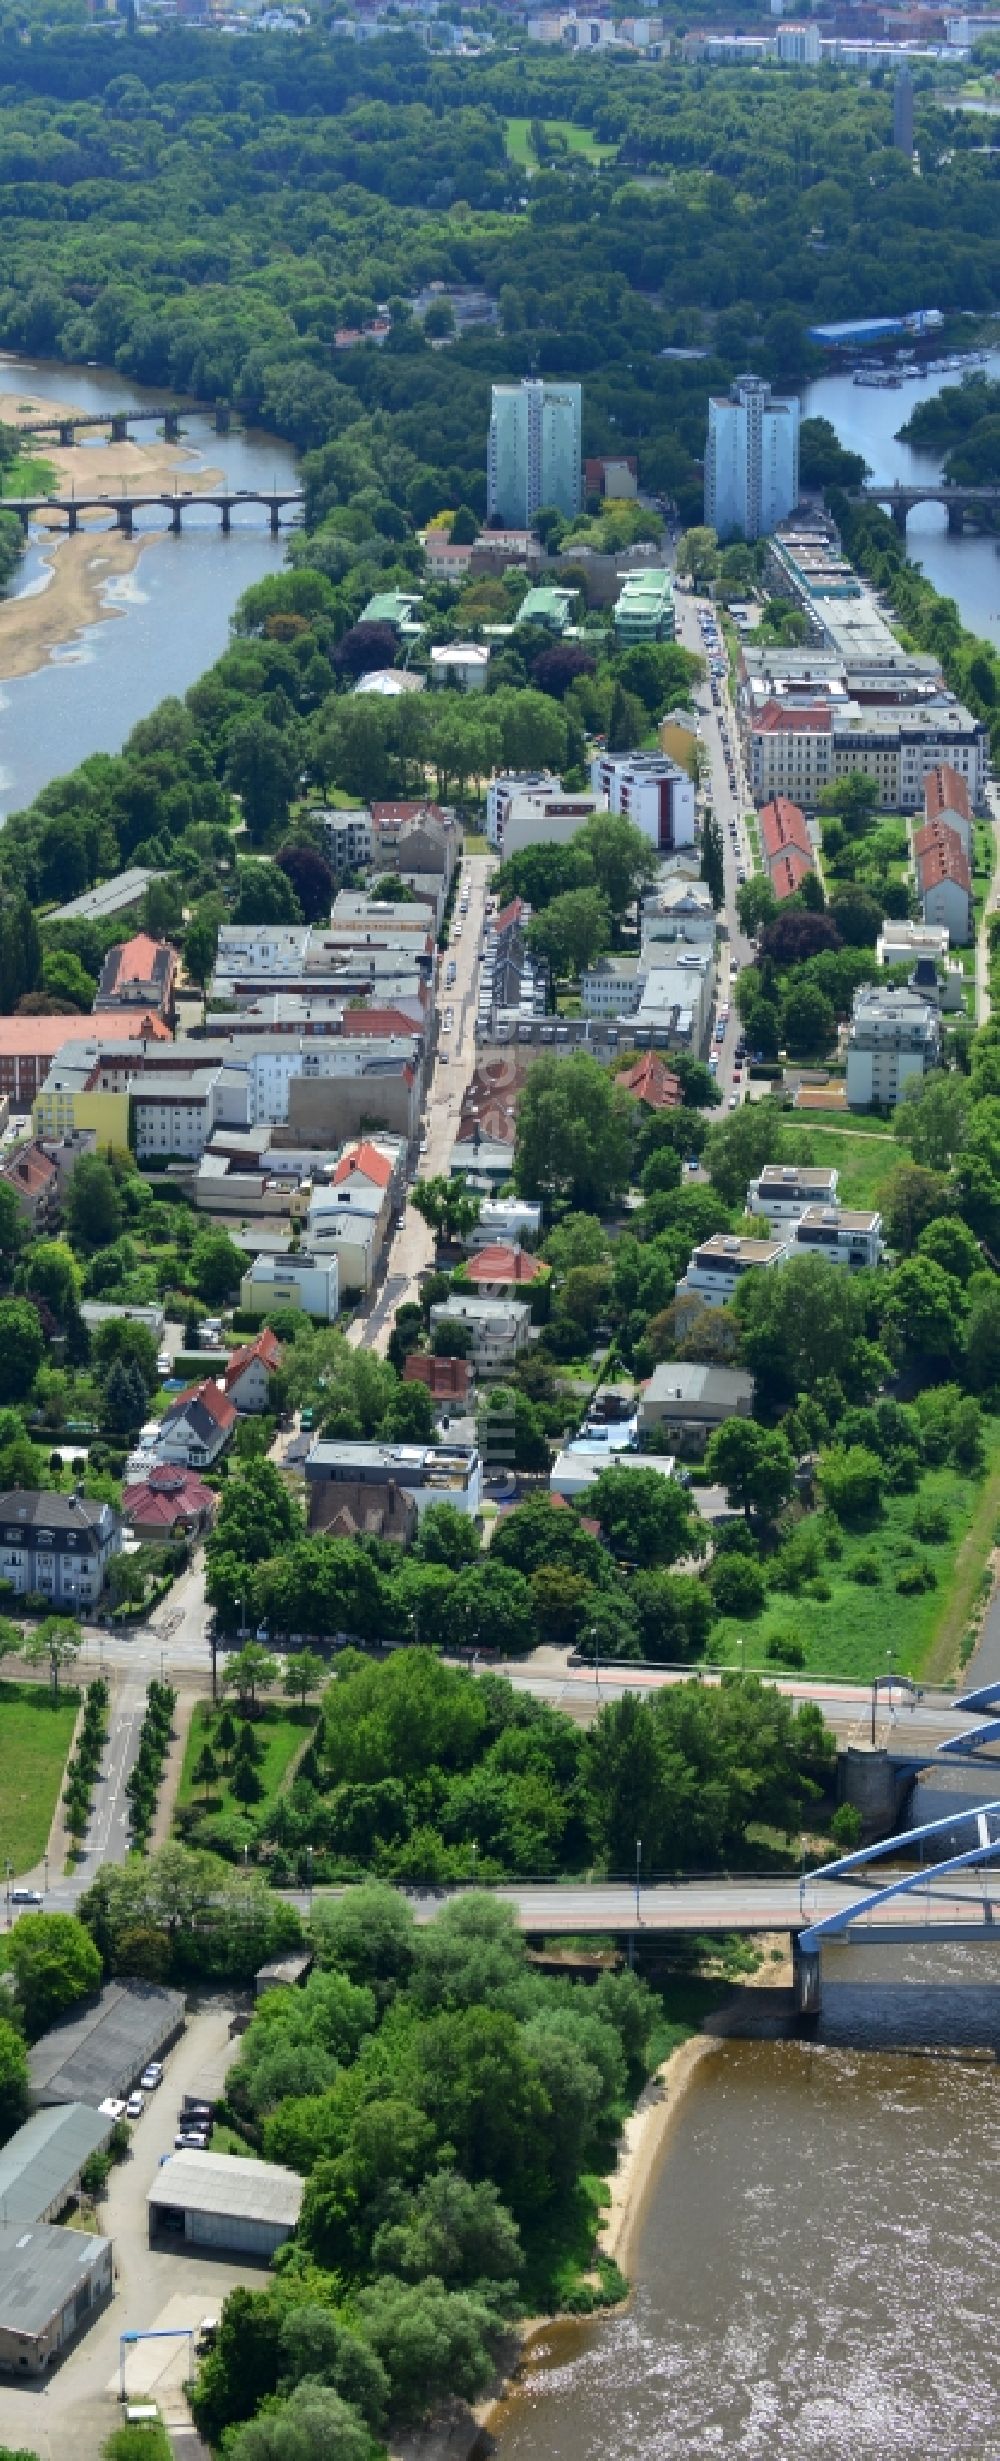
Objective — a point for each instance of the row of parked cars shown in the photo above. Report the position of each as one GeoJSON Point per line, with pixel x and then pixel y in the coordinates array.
{"type": "Point", "coordinates": [119, 2107]}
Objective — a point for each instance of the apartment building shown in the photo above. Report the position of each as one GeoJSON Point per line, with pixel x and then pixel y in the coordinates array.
{"type": "Point", "coordinates": [651, 791]}
{"type": "Point", "coordinates": [59, 1546]}
{"type": "Point", "coordinates": [676, 910]}
{"type": "Point", "coordinates": [429, 1473]}
{"type": "Point", "coordinates": [751, 460]}
{"type": "Point", "coordinates": [894, 1038]}
{"type": "Point", "coordinates": [173, 1117]}
{"type": "Point", "coordinates": [843, 1235]}
{"type": "Point", "coordinates": [301, 1280]}
{"type": "Point", "coordinates": [644, 608]}
{"type": "Point", "coordinates": [534, 451]}
{"type": "Point", "coordinates": [944, 881]}
{"type": "Point", "coordinates": [717, 1267]}
{"type": "Point", "coordinates": [946, 797]}
{"type": "Point", "coordinates": [347, 839]}
{"type": "Point", "coordinates": [534, 812]}
{"type": "Point", "coordinates": [784, 1191]}
{"type": "Point", "coordinates": [786, 844]}
{"type": "Point", "coordinates": [500, 1329]}
{"type": "Point", "coordinates": [790, 751]}
{"type": "Point", "coordinates": [900, 747]}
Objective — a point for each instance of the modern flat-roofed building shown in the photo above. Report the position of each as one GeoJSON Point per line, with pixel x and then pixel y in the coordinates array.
{"type": "Point", "coordinates": [173, 1116]}
{"type": "Point", "coordinates": [461, 667]}
{"type": "Point", "coordinates": [691, 1400]}
{"type": "Point", "coordinates": [751, 460]}
{"type": "Point", "coordinates": [500, 1329]}
{"type": "Point", "coordinates": [644, 608]}
{"type": "Point", "coordinates": [843, 1235]}
{"type": "Point", "coordinates": [534, 453]}
{"type": "Point", "coordinates": [309, 1282]}
{"type": "Point", "coordinates": [51, 2283]}
{"type": "Point", "coordinates": [894, 1038]}
{"type": "Point", "coordinates": [430, 1473]}
{"type": "Point", "coordinates": [651, 791]}
{"type": "Point", "coordinates": [718, 1265]}
{"type": "Point", "coordinates": [113, 896]}
{"type": "Point", "coordinates": [347, 837]}
{"type": "Point", "coordinates": [221, 2200]}
{"type": "Point", "coordinates": [783, 1191]}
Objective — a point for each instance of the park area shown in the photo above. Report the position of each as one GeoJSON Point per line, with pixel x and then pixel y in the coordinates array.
{"type": "Point", "coordinates": [854, 1621]}
{"type": "Point", "coordinates": [561, 138]}
{"type": "Point", "coordinates": [35, 1736]}
{"type": "Point", "coordinates": [235, 1767]}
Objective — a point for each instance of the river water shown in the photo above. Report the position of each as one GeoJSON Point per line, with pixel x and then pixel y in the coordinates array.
{"type": "Point", "coordinates": [966, 569]}
{"type": "Point", "coordinates": [175, 604]}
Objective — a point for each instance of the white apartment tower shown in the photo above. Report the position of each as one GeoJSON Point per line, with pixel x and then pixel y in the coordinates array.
{"type": "Point", "coordinates": [534, 453]}
{"type": "Point", "coordinates": [751, 460]}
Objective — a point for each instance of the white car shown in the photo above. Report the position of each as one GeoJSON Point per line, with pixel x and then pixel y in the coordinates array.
{"type": "Point", "coordinates": [135, 2105]}
{"type": "Point", "coordinates": [151, 2077]}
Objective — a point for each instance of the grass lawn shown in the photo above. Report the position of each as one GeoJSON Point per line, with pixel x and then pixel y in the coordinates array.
{"type": "Point", "coordinates": [29, 475]}
{"type": "Point", "coordinates": [283, 1734]}
{"type": "Point", "coordinates": [35, 1738]}
{"type": "Point", "coordinates": [864, 1165]}
{"type": "Point", "coordinates": [579, 141]}
{"type": "Point", "coordinates": [852, 1632]}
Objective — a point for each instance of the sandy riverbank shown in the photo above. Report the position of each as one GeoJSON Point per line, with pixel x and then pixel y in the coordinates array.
{"type": "Point", "coordinates": [81, 567]}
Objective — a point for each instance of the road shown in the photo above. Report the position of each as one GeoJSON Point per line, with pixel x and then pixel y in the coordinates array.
{"type": "Point", "coordinates": [729, 806]}
{"type": "Point", "coordinates": [412, 1249]}
{"type": "Point", "coordinates": [726, 1903]}
{"type": "Point", "coordinates": [910, 1730]}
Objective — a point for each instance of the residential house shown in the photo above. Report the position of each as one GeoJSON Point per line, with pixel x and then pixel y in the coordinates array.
{"type": "Point", "coordinates": [301, 1280]}
{"type": "Point", "coordinates": [356, 1508]}
{"type": "Point", "coordinates": [500, 1329]}
{"type": "Point", "coordinates": [843, 1236]}
{"type": "Point", "coordinates": [430, 1473]}
{"type": "Point", "coordinates": [446, 1380]}
{"type": "Point", "coordinates": [944, 880]}
{"type": "Point", "coordinates": [894, 1039]}
{"type": "Point", "coordinates": [690, 1400]}
{"type": "Point", "coordinates": [786, 843]}
{"type": "Point", "coordinates": [446, 560]}
{"type": "Point", "coordinates": [169, 1502]}
{"type": "Point", "coordinates": [346, 1228]}
{"type": "Point", "coordinates": [500, 1267]}
{"type": "Point", "coordinates": [139, 974]}
{"type": "Point", "coordinates": [247, 1379]}
{"type": "Point", "coordinates": [58, 1547]}
{"type": "Point", "coordinates": [34, 1177]}
{"type": "Point", "coordinates": [197, 1427]}
{"type": "Point", "coordinates": [719, 1264]}
{"type": "Point", "coordinates": [784, 1191]}
{"type": "Point", "coordinates": [946, 797]}
{"type": "Point", "coordinates": [461, 667]}
{"type": "Point", "coordinates": [512, 1219]}
{"type": "Point", "coordinates": [677, 910]}
{"type": "Point", "coordinates": [653, 1083]}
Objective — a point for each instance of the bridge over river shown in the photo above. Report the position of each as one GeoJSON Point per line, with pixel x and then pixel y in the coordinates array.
{"type": "Point", "coordinates": [122, 508]}
{"type": "Point", "coordinates": [962, 504]}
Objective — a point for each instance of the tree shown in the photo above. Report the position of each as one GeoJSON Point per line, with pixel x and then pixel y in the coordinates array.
{"type": "Point", "coordinates": [311, 879]}
{"type": "Point", "coordinates": [952, 1245]}
{"type": "Point", "coordinates": [314, 2424]}
{"type": "Point", "coordinates": [14, 2082]}
{"type": "Point", "coordinates": [809, 1021]}
{"type": "Point", "coordinates": [738, 1585]}
{"type": "Point", "coordinates": [54, 1963]}
{"type": "Point", "coordinates": [491, 1609]}
{"type": "Point", "coordinates": [262, 769]}
{"type": "Point", "coordinates": [643, 1514]}
{"type": "Point", "coordinates": [125, 1399]}
{"type": "Point", "coordinates": [445, 1536]}
{"type": "Point", "coordinates": [448, 1206]}
{"type": "Point", "coordinates": [459, 2234]}
{"type": "Point", "coordinates": [573, 1133]}
{"type": "Point", "coordinates": [206, 1769]}
{"type": "Point", "coordinates": [369, 1935]}
{"type": "Point", "coordinates": [22, 1348]}
{"type": "Point", "coordinates": [754, 1465]}
{"type": "Point", "coordinates": [249, 1671]}
{"type": "Point", "coordinates": [11, 1221]}
{"type": "Point", "coordinates": [851, 1479]}
{"type": "Point", "coordinates": [304, 1673]}
{"type": "Point", "coordinates": [572, 931]}
{"type": "Point", "coordinates": [795, 935]}
{"type": "Point", "coordinates": [926, 1308]}
{"type": "Point", "coordinates": [365, 647]}
{"type": "Point", "coordinates": [737, 1149]}
{"type": "Point", "coordinates": [756, 904]}
{"type": "Point", "coordinates": [55, 1642]}
{"type": "Point", "coordinates": [431, 2342]}
{"type": "Point", "coordinates": [265, 893]}
{"type": "Point", "coordinates": [932, 1116]}
{"type": "Point", "coordinates": [798, 1325]}
{"type": "Point", "coordinates": [713, 860]}
{"type": "Point", "coordinates": [911, 1198]}
{"type": "Point", "coordinates": [622, 857]}
{"type": "Point", "coordinates": [854, 800]}
{"type": "Point", "coordinates": [215, 1266]}
{"type": "Point", "coordinates": [698, 557]}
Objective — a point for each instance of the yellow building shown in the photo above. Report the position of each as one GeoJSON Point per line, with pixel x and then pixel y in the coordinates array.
{"type": "Point", "coordinates": [68, 1101]}
{"type": "Point", "coordinates": [678, 738]}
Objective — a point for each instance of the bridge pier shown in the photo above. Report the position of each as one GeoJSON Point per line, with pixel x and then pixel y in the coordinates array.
{"type": "Point", "coordinates": [66, 431]}
{"type": "Point", "coordinates": [275, 516]}
{"type": "Point", "coordinates": [223, 418]}
{"type": "Point", "coordinates": [123, 514]}
{"type": "Point", "coordinates": [72, 520]}
{"type": "Point", "coordinates": [899, 512]}
{"type": "Point", "coordinates": [171, 425]}
{"type": "Point", "coordinates": [226, 516]}
{"type": "Point", "coordinates": [119, 427]}
{"type": "Point", "coordinates": [956, 520]}
{"type": "Point", "coordinates": [807, 1973]}
{"type": "Point", "coordinates": [175, 517]}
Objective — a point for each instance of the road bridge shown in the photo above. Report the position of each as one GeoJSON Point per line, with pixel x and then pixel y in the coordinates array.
{"type": "Point", "coordinates": [122, 508]}
{"type": "Point", "coordinates": [67, 425]}
{"type": "Point", "coordinates": [961, 503]}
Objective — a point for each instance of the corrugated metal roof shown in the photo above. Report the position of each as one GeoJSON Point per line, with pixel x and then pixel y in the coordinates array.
{"type": "Point", "coordinates": [106, 2044]}
{"type": "Point", "coordinates": [40, 2271]}
{"type": "Point", "coordinates": [42, 2162]}
{"type": "Point", "coordinates": [224, 2183]}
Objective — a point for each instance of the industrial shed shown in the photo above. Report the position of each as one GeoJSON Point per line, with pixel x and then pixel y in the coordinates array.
{"type": "Point", "coordinates": [104, 2047]}
{"type": "Point", "coordinates": [51, 2281]}
{"type": "Point", "coordinates": [40, 2167]}
{"type": "Point", "coordinates": [217, 2200]}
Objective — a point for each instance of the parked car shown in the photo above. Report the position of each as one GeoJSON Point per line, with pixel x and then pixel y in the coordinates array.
{"type": "Point", "coordinates": [151, 2077]}
{"type": "Point", "coordinates": [135, 2105]}
{"type": "Point", "coordinates": [191, 2140]}
{"type": "Point", "coordinates": [26, 1897]}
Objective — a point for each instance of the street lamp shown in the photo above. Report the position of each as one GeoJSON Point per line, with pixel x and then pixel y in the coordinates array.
{"type": "Point", "coordinates": [638, 1876]}
{"type": "Point", "coordinates": [309, 1878]}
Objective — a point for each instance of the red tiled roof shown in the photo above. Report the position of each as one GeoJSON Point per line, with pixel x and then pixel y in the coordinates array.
{"type": "Point", "coordinates": [945, 791]}
{"type": "Point", "coordinates": [266, 1348]}
{"type": "Point", "coordinates": [43, 1037]}
{"type": "Point", "coordinates": [383, 813]}
{"type": "Point", "coordinates": [445, 1379]}
{"type": "Point", "coordinates": [31, 1169]}
{"type": "Point", "coordinates": [782, 825]}
{"type": "Point", "coordinates": [377, 1021]}
{"type": "Point", "coordinates": [561, 1503]}
{"type": "Point", "coordinates": [792, 718]}
{"type": "Point", "coordinates": [167, 1494]}
{"type": "Point", "coordinates": [368, 1160]}
{"type": "Point", "coordinates": [137, 958]}
{"type": "Point", "coordinates": [216, 1403]}
{"type": "Point", "coordinates": [511, 914]}
{"type": "Point", "coordinates": [940, 855]}
{"type": "Point", "coordinates": [503, 1264]}
{"type": "Point", "coordinates": [788, 871]}
{"type": "Point", "coordinates": [651, 1081]}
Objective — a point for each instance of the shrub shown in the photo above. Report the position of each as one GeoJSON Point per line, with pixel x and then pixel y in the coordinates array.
{"type": "Point", "coordinates": [738, 1586]}
{"type": "Point", "coordinates": [866, 1571]}
{"type": "Point", "coordinates": [931, 1523]}
{"type": "Point", "coordinates": [914, 1578]}
{"type": "Point", "coordinates": [784, 1650]}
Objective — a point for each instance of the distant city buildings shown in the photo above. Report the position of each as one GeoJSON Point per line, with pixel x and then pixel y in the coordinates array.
{"type": "Point", "coordinates": [751, 460]}
{"type": "Point", "coordinates": [534, 451]}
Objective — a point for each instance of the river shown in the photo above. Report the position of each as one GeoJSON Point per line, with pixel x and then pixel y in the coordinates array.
{"type": "Point", "coordinates": [866, 420]}
{"type": "Point", "coordinates": [175, 604]}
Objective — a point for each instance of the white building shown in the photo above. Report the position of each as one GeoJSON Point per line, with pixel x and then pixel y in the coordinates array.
{"type": "Point", "coordinates": [507, 1220]}
{"type": "Point", "coordinates": [716, 1268]}
{"type": "Point", "coordinates": [500, 1329]}
{"type": "Point", "coordinates": [580, 1463]}
{"type": "Point", "coordinates": [785, 1191]}
{"type": "Point", "coordinates": [347, 837]}
{"type": "Point", "coordinates": [844, 1237]}
{"type": "Point", "coordinates": [894, 1037]}
{"type": "Point", "coordinates": [799, 46]}
{"type": "Point", "coordinates": [677, 910]}
{"type": "Point", "coordinates": [462, 666]}
{"type": "Point", "coordinates": [309, 1282]}
{"type": "Point", "coordinates": [430, 1473]}
{"type": "Point", "coordinates": [751, 460]}
{"type": "Point", "coordinates": [174, 1115]}
{"type": "Point", "coordinates": [534, 811]}
{"type": "Point", "coordinates": [649, 790]}
{"type": "Point", "coordinates": [350, 1230]}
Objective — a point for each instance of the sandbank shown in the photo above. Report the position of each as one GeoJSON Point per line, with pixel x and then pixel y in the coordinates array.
{"type": "Point", "coordinates": [81, 567]}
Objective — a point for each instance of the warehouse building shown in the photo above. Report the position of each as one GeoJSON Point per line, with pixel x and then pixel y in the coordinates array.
{"type": "Point", "coordinates": [219, 2200]}
{"type": "Point", "coordinates": [103, 2048]}
{"type": "Point", "coordinates": [51, 2282]}
{"type": "Point", "coordinates": [40, 2167]}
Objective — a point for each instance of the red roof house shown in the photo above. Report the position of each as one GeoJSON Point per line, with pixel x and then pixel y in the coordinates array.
{"type": "Point", "coordinates": [248, 1376]}
{"type": "Point", "coordinates": [170, 1502]}
{"type": "Point", "coordinates": [652, 1082]}
{"type": "Point", "coordinates": [499, 1266]}
{"type": "Point", "coordinates": [198, 1426]}
{"type": "Point", "coordinates": [444, 1379]}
